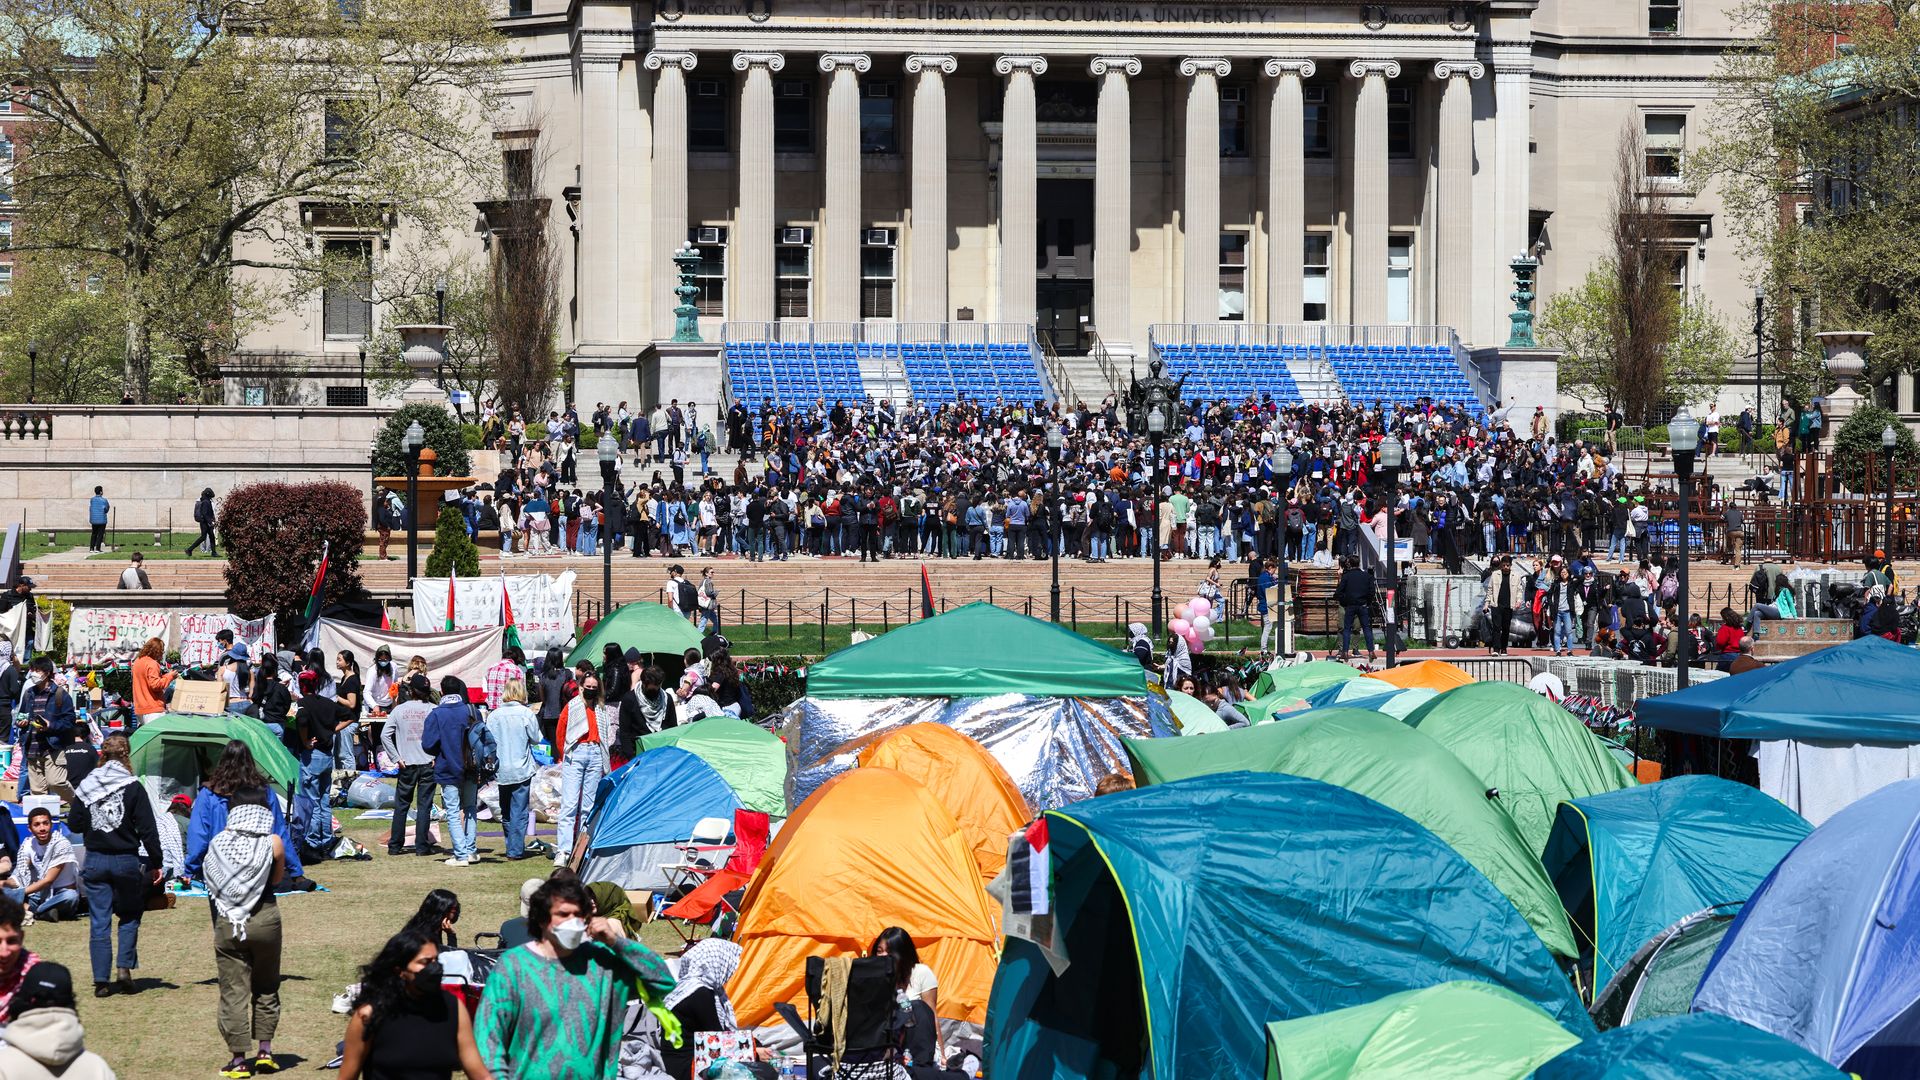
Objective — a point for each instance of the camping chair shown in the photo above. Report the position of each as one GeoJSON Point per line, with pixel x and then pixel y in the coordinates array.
{"type": "Point", "coordinates": [871, 1028]}
{"type": "Point", "coordinates": [719, 895]}
{"type": "Point", "coordinates": [698, 855]}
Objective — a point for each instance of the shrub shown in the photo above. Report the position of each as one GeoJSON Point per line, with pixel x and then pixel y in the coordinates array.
{"type": "Point", "coordinates": [443, 435]}
{"type": "Point", "coordinates": [588, 440]}
{"type": "Point", "coordinates": [471, 436]}
{"type": "Point", "coordinates": [1856, 451]}
{"type": "Point", "coordinates": [274, 533]}
{"type": "Point", "coordinates": [773, 682]}
{"type": "Point", "coordinates": [454, 554]}
{"type": "Point", "coordinates": [60, 615]}
{"type": "Point", "coordinates": [536, 432]}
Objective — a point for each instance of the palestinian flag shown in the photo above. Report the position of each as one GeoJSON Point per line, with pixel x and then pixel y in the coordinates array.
{"type": "Point", "coordinates": [506, 613]}
{"type": "Point", "coordinates": [450, 581]}
{"type": "Point", "coordinates": [1027, 869]}
{"type": "Point", "coordinates": [926, 593]}
{"type": "Point", "coordinates": [319, 583]}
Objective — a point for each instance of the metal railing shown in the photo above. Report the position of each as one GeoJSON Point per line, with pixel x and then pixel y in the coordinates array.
{"type": "Point", "coordinates": [879, 333]}
{"type": "Point", "coordinates": [1464, 360]}
{"type": "Point", "coordinates": [1051, 365]}
{"type": "Point", "coordinates": [1098, 350]}
{"type": "Point", "coordinates": [1311, 335]}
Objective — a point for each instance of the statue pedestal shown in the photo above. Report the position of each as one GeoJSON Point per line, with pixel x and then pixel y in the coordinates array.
{"type": "Point", "coordinates": [1846, 360]}
{"type": "Point", "coordinates": [688, 370]}
{"type": "Point", "coordinates": [1522, 378]}
{"type": "Point", "coordinates": [423, 392]}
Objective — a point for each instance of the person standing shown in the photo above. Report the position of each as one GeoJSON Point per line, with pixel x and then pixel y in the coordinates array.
{"type": "Point", "coordinates": [406, 725]}
{"type": "Point", "coordinates": [645, 709]}
{"type": "Point", "coordinates": [583, 743]}
{"type": "Point", "coordinates": [1735, 520]}
{"type": "Point", "coordinates": [203, 515]}
{"type": "Point", "coordinates": [97, 510]}
{"type": "Point", "coordinates": [13, 682]}
{"type": "Point", "coordinates": [245, 860]}
{"type": "Point", "coordinates": [515, 732]}
{"type": "Point", "coordinates": [317, 726]}
{"type": "Point", "coordinates": [150, 681]}
{"type": "Point", "coordinates": [403, 1023]}
{"type": "Point", "coordinates": [48, 723]}
{"type": "Point", "coordinates": [115, 816]}
{"type": "Point", "coordinates": [1354, 594]}
{"type": "Point", "coordinates": [1499, 601]}
{"type": "Point", "coordinates": [445, 737]}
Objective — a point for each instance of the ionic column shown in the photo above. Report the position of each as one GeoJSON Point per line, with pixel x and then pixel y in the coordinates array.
{"type": "Point", "coordinates": [1513, 127]}
{"type": "Point", "coordinates": [752, 240]}
{"type": "Point", "coordinates": [1113, 198]}
{"type": "Point", "coordinates": [1286, 189]}
{"type": "Point", "coordinates": [1201, 213]}
{"type": "Point", "coordinates": [1369, 261]}
{"type": "Point", "coordinates": [669, 179]}
{"type": "Point", "coordinates": [1019, 181]}
{"type": "Point", "coordinates": [927, 237]}
{"type": "Point", "coordinates": [1453, 202]}
{"type": "Point", "coordinates": [840, 243]}
{"type": "Point", "coordinates": [599, 250]}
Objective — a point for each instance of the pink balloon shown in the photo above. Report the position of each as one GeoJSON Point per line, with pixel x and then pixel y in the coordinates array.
{"type": "Point", "coordinates": [1183, 613]}
{"type": "Point", "coordinates": [1200, 605]}
{"type": "Point", "coordinates": [1180, 626]}
{"type": "Point", "coordinates": [1196, 644]}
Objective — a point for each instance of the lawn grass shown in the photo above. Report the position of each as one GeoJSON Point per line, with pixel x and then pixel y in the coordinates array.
{"type": "Point", "coordinates": [806, 639]}
{"type": "Point", "coordinates": [33, 543]}
{"type": "Point", "coordinates": [168, 1030]}
{"type": "Point", "coordinates": [170, 547]}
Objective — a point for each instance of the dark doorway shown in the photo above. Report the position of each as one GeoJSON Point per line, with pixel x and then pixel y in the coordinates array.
{"type": "Point", "coordinates": [1065, 309]}
{"type": "Point", "coordinates": [1065, 263]}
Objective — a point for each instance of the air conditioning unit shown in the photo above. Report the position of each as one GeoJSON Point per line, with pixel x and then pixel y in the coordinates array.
{"type": "Point", "coordinates": [709, 234]}
{"type": "Point", "coordinates": [793, 234]}
{"type": "Point", "coordinates": [877, 238]}
{"type": "Point", "coordinates": [1233, 93]}
{"type": "Point", "coordinates": [707, 88]}
{"type": "Point", "coordinates": [790, 88]}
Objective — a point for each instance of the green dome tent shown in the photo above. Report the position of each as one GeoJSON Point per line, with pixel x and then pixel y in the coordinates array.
{"type": "Point", "coordinates": [651, 628]}
{"type": "Point", "coordinates": [1193, 914]}
{"type": "Point", "coordinates": [750, 759]}
{"type": "Point", "coordinates": [1454, 1031]}
{"type": "Point", "coordinates": [1194, 716]}
{"type": "Point", "coordinates": [1536, 754]}
{"type": "Point", "coordinates": [1301, 680]}
{"type": "Point", "coordinates": [1396, 766]}
{"type": "Point", "coordinates": [176, 750]}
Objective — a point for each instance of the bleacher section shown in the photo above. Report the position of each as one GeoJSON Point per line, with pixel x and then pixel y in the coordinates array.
{"type": "Point", "coordinates": [797, 374]}
{"type": "Point", "coordinates": [1401, 375]}
{"type": "Point", "coordinates": [1235, 372]}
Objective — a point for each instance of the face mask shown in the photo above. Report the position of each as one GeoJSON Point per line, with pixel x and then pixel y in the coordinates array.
{"type": "Point", "coordinates": [571, 934]}
{"type": "Point", "coordinates": [591, 696]}
{"type": "Point", "coordinates": [428, 977]}
{"type": "Point", "coordinates": [39, 678]}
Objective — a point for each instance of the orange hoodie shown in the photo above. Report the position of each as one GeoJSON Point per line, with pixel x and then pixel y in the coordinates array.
{"type": "Point", "coordinates": [148, 683]}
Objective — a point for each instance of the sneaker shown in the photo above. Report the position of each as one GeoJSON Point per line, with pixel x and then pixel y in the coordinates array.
{"type": "Point", "coordinates": [238, 1069]}
{"type": "Point", "coordinates": [27, 920]}
{"type": "Point", "coordinates": [458, 862]}
{"type": "Point", "coordinates": [265, 1063]}
{"type": "Point", "coordinates": [343, 1001]}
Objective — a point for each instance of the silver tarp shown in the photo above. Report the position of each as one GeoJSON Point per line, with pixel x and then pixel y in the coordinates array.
{"type": "Point", "coordinates": [1056, 749]}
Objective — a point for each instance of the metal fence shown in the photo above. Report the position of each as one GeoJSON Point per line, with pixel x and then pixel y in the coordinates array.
{"type": "Point", "coordinates": [880, 333]}
{"type": "Point", "coordinates": [1311, 335]}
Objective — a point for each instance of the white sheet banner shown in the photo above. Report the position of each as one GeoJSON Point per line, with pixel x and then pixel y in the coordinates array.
{"type": "Point", "coordinates": [97, 635]}
{"type": "Point", "coordinates": [542, 606]}
{"type": "Point", "coordinates": [464, 654]}
{"type": "Point", "coordinates": [197, 630]}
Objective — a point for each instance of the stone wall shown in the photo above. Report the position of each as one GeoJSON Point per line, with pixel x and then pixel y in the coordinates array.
{"type": "Point", "coordinates": [152, 459]}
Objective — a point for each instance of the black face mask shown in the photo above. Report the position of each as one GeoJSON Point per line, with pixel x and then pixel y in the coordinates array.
{"type": "Point", "coordinates": [592, 697]}
{"type": "Point", "coordinates": [427, 979]}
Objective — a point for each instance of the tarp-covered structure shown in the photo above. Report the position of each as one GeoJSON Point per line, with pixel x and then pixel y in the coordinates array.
{"type": "Point", "coordinates": [962, 777]}
{"type": "Point", "coordinates": [1194, 913]}
{"type": "Point", "coordinates": [1457, 1030]}
{"type": "Point", "coordinates": [1628, 864]}
{"type": "Point", "coordinates": [1693, 1047]}
{"type": "Point", "coordinates": [1396, 766]}
{"type": "Point", "coordinates": [1050, 705]}
{"type": "Point", "coordinates": [638, 624]}
{"type": "Point", "coordinates": [1369, 694]}
{"type": "Point", "coordinates": [1832, 726]}
{"type": "Point", "coordinates": [1431, 674]}
{"type": "Point", "coordinates": [871, 849]}
{"type": "Point", "coordinates": [174, 752]}
{"type": "Point", "coordinates": [751, 759]}
{"type": "Point", "coordinates": [645, 810]}
{"type": "Point", "coordinates": [1823, 955]}
{"type": "Point", "coordinates": [1530, 750]}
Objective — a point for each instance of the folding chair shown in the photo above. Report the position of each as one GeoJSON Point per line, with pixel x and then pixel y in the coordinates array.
{"type": "Point", "coordinates": [698, 856]}
{"type": "Point", "coordinates": [719, 895]}
{"type": "Point", "coordinates": [871, 1023]}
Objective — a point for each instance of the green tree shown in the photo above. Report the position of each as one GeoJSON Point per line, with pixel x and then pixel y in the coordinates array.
{"type": "Point", "coordinates": [1858, 463]}
{"type": "Point", "coordinates": [442, 435]}
{"type": "Point", "coordinates": [469, 364]}
{"type": "Point", "coordinates": [454, 554]}
{"type": "Point", "coordinates": [274, 534]}
{"type": "Point", "coordinates": [190, 144]}
{"type": "Point", "coordinates": [1584, 322]}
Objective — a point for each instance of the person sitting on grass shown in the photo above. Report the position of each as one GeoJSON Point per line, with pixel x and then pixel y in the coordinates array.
{"type": "Point", "coordinates": [49, 870]}
{"type": "Point", "coordinates": [404, 1024]}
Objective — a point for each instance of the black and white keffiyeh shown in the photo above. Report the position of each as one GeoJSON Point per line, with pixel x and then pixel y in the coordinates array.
{"type": "Point", "coordinates": [238, 862]}
{"type": "Point", "coordinates": [709, 963]}
{"type": "Point", "coordinates": [100, 791]}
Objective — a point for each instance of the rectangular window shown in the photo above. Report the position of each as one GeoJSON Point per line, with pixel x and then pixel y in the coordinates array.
{"type": "Point", "coordinates": [1400, 122]}
{"type": "Point", "coordinates": [879, 116]}
{"type": "Point", "coordinates": [1400, 279]}
{"type": "Point", "coordinates": [792, 280]}
{"type": "Point", "coordinates": [6, 235]}
{"type": "Point", "coordinates": [344, 135]}
{"type": "Point", "coordinates": [347, 303]}
{"type": "Point", "coordinates": [1666, 143]}
{"type": "Point", "coordinates": [876, 281]}
{"type": "Point", "coordinates": [6, 281]}
{"type": "Point", "coordinates": [1064, 239]}
{"type": "Point", "coordinates": [519, 7]}
{"type": "Point", "coordinates": [346, 397]}
{"type": "Point", "coordinates": [1318, 121]}
{"type": "Point", "coordinates": [707, 119]}
{"type": "Point", "coordinates": [1677, 272]}
{"type": "Point", "coordinates": [1233, 277]}
{"type": "Point", "coordinates": [1315, 267]}
{"type": "Point", "coordinates": [516, 173]}
{"type": "Point", "coordinates": [792, 116]}
{"type": "Point", "coordinates": [1236, 113]}
{"type": "Point", "coordinates": [1663, 16]}
{"type": "Point", "coordinates": [6, 148]}
{"type": "Point", "coordinates": [711, 274]}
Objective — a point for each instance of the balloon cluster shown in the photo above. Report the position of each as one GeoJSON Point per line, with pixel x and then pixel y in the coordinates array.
{"type": "Point", "coordinates": [1193, 622]}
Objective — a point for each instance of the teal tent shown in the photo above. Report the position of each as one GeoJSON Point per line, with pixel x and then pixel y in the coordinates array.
{"type": "Point", "coordinates": [1192, 914]}
{"type": "Point", "coordinates": [752, 760]}
{"type": "Point", "coordinates": [977, 651]}
{"type": "Point", "coordinates": [175, 751]}
{"type": "Point", "coordinates": [651, 628]}
{"type": "Point", "coordinates": [1301, 680]}
{"type": "Point", "coordinates": [1454, 1031]}
{"type": "Point", "coordinates": [1373, 694]}
{"type": "Point", "coordinates": [1699, 1046]}
{"type": "Point", "coordinates": [1194, 716]}
{"type": "Point", "coordinates": [1628, 864]}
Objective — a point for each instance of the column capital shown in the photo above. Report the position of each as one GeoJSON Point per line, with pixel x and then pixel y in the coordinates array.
{"type": "Point", "coordinates": [1218, 66]}
{"type": "Point", "coordinates": [772, 61]}
{"type": "Point", "coordinates": [1007, 65]}
{"type": "Point", "coordinates": [1447, 69]}
{"type": "Point", "coordinates": [944, 63]}
{"type": "Point", "coordinates": [685, 61]}
{"type": "Point", "coordinates": [1361, 69]}
{"type": "Point", "coordinates": [1302, 69]}
{"type": "Point", "coordinates": [832, 62]}
{"type": "Point", "coordinates": [1124, 65]}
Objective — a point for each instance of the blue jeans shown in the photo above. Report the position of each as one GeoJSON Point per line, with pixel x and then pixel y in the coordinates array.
{"type": "Point", "coordinates": [1099, 544]}
{"type": "Point", "coordinates": [40, 905]}
{"type": "Point", "coordinates": [996, 540]}
{"type": "Point", "coordinates": [1209, 541]}
{"type": "Point", "coordinates": [461, 803]}
{"type": "Point", "coordinates": [1616, 541]}
{"type": "Point", "coordinates": [103, 876]}
{"type": "Point", "coordinates": [589, 538]}
{"type": "Point", "coordinates": [316, 776]}
{"type": "Point", "coordinates": [1563, 631]}
{"type": "Point", "coordinates": [1307, 533]}
{"type": "Point", "coordinates": [580, 773]}
{"type": "Point", "coordinates": [1362, 615]}
{"type": "Point", "coordinates": [513, 807]}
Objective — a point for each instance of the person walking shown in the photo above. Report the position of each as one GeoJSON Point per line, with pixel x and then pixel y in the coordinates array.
{"type": "Point", "coordinates": [97, 510]}
{"type": "Point", "coordinates": [403, 1023]}
{"type": "Point", "coordinates": [413, 787]}
{"type": "Point", "coordinates": [445, 737]}
{"type": "Point", "coordinates": [245, 860]}
{"type": "Point", "coordinates": [515, 732]}
{"type": "Point", "coordinates": [584, 743]}
{"type": "Point", "coordinates": [115, 816]}
{"type": "Point", "coordinates": [135, 575]}
{"type": "Point", "coordinates": [203, 515]}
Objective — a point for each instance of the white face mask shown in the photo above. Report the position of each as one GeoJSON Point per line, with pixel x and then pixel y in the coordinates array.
{"type": "Point", "coordinates": [571, 934]}
{"type": "Point", "coordinates": [39, 678]}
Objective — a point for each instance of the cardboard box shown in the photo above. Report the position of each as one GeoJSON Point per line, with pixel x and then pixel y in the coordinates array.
{"type": "Point", "coordinates": [198, 698]}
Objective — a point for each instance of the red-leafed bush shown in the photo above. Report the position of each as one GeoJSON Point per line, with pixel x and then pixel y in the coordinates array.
{"type": "Point", "coordinates": [273, 534]}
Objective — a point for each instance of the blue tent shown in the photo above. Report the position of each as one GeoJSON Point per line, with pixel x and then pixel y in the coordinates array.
{"type": "Point", "coordinates": [1630, 863]}
{"type": "Point", "coordinates": [1194, 913]}
{"type": "Point", "coordinates": [1862, 691]}
{"type": "Point", "coordinates": [1696, 1047]}
{"type": "Point", "coordinates": [1824, 953]}
{"type": "Point", "coordinates": [1362, 694]}
{"type": "Point", "coordinates": [645, 808]}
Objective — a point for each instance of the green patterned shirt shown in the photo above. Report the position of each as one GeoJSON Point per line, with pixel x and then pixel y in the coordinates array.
{"type": "Point", "coordinates": [561, 1019]}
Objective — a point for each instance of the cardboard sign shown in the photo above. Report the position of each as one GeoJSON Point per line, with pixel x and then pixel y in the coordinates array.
{"type": "Point", "coordinates": [198, 698]}
{"type": "Point", "coordinates": [97, 635]}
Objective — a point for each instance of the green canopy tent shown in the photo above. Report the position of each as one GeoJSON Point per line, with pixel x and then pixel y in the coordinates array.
{"type": "Point", "coordinates": [651, 628]}
{"type": "Point", "coordinates": [1194, 716]}
{"type": "Point", "coordinates": [976, 651]}
{"type": "Point", "coordinates": [176, 750]}
{"type": "Point", "coordinates": [1391, 763]}
{"type": "Point", "coordinates": [1454, 1031]}
{"type": "Point", "coordinates": [1193, 914]}
{"type": "Point", "coordinates": [1530, 750]}
{"type": "Point", "coordinates": [1301, 680]}
{"type": "Point", "coordinates": [752, 760]}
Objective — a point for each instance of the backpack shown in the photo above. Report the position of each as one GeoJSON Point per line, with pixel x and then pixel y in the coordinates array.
{"type": "Point", "coordinates": [483, 753]}
{"type": "Point", "coordinates": [688, 597]}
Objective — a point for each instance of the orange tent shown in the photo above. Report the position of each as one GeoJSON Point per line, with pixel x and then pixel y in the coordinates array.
{"type": "Point", "coordinates": [965, 779]}
{"type": "Point", "coordinates": [1433, 674]}
{"type": "Point", "coordinates": [872, 848]}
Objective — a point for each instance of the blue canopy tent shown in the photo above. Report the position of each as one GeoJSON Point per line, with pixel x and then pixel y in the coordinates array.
{"type": "Point", "coordinates": [1696, 1047]}
{"type": "Point", "coordinates": [1823, 955]}
{"type": "Point", "coordinates": [1862, 691]}
{"type": "Point", "coordinates": [645, 810]}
